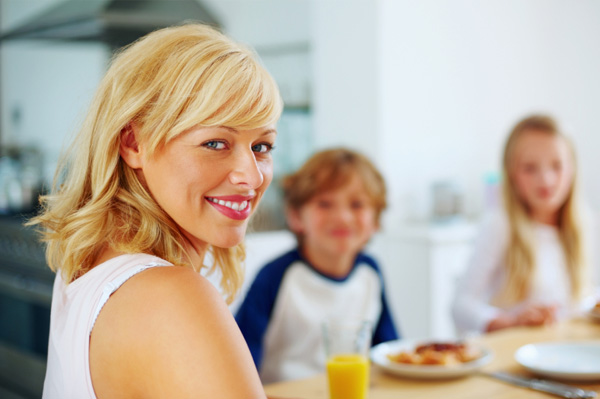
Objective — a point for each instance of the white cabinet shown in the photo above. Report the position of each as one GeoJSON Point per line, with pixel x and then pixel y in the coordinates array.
{"type": "Point", "coordinates": [421, 264]}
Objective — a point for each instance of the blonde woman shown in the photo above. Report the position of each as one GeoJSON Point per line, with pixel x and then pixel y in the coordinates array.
{"type": "Point", "coordinates": [171, 161]}
{"type": "Point", "coordinates": [529, 263]}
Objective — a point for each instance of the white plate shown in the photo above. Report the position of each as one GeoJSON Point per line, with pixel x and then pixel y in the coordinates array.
{"type": "Point", "coordinates": [573, 360]}
{"type": "Point", "coordinates": [379, 357]}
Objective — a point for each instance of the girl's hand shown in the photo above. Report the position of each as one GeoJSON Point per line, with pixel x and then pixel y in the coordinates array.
{"type": "Point", "coordinates": [528, 315]}
{"type": "Point", "coordinates": [536, 315]}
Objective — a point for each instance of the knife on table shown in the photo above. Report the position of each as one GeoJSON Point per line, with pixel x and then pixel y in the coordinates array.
{"type": "Point", "coordinates": [555, 388]}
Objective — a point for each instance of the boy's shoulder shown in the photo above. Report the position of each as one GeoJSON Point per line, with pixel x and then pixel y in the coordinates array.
{"type": "Point", "coordinates": [283, 260]}
{"type": "Point", "coordinates": [363, 258]}
{"type": "Point", "coordinates": [277, 267]}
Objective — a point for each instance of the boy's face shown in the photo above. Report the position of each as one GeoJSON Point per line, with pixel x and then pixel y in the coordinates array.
{"type": "Point", "coordinates": [336, 222]}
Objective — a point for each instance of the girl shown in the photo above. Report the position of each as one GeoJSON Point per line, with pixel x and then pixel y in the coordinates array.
{"type": "Point", "coordinates": [171, 161]}
{"type": "Point", "coordinates": [529, 263]}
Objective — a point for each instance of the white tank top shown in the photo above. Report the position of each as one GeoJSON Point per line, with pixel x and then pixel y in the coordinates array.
{"type": "Point", "coordinates": [75, 308]}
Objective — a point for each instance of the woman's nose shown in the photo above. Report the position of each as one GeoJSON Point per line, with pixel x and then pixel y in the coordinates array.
{"type": "Point", "coordinates": [246, 170]}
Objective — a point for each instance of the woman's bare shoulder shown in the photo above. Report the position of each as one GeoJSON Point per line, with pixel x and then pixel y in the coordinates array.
{"type": "Point", "coordinates": [168, 333]}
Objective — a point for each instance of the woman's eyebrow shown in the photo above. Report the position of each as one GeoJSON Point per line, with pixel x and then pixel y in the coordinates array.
{"type": "Point", "coordinates": [269, 131]}
{"type": "Point", "coordinates": [234, 130]}
{"type": "Point", "coordinates": [231, 129]}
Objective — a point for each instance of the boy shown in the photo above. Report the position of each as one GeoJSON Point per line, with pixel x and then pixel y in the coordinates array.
{"type": "Point", "coordinates": [333, 206]}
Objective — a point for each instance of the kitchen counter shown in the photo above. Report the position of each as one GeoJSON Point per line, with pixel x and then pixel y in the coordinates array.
{"type": "Point", "coordinates": [25, 298]}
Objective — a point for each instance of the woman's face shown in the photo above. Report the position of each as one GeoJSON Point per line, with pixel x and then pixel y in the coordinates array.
{"type": "Point", "coordinates": [542, 173]}
{"type": "Point", "coordinates": [210, 180]}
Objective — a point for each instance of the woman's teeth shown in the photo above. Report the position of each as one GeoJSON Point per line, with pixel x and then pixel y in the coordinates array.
{"type": "Point", "coordinates": [236, 206]}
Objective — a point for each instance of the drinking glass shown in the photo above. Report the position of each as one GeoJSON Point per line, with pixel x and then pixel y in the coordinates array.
{"type": "Point", "coordinates": [347, 351]}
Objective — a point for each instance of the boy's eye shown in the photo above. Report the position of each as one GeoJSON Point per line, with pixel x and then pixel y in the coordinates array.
{"type": "Point", "coordinates": [357, 204]}
{"type": "Point", "coordinates": [323, 204]}
{"type": "Point", "coordinates": [263, 147]}
{"type": "Point", "coordinates": [215, 145]}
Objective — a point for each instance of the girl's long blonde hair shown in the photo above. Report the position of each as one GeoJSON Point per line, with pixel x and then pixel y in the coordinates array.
{"type": "Point", "coordinates": [520, 255]}
{"type": "Point", "coordinates": [167, 82]}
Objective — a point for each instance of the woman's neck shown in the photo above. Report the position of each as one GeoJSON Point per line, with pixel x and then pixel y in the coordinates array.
{"type": "Point", "coordinates": [195, 250]}
{"type": "Point", "coordinates": [105, 255]}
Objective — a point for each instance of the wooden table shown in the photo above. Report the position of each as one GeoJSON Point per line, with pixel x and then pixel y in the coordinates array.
{"type": "Point", "coordinates": [504, 344]}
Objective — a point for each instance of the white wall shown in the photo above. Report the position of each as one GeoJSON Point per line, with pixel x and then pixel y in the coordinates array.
{"type": "Point", "coordinates": [50, 86]}
{"type": "Point", "coordinates": [455, 76]}
{"type": "Point", "coordinates": [279, 32]}
{"type": "Point", "coordinates": [46, 85]}
{"type": "Point", "coordinates": [346, 95]}
{"type": "Point", "coordinates": [429, 89]}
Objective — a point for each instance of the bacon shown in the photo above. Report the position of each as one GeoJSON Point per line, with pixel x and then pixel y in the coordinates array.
{"type": "Point", "coordinates": [437, 353]}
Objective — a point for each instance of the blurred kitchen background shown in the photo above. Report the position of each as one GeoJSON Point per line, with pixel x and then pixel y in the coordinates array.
{"type": "Point", "coordinates": [427, 89]}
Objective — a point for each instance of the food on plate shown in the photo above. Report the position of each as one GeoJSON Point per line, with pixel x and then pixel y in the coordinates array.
{"type": "Point", "coordinates": [437, 353]}
{"type": "Point", "coordinates": [596, 309]}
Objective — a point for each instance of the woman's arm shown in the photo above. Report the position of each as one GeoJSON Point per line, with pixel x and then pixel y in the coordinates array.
{"type": "Point", "coordinates": [167, 333]}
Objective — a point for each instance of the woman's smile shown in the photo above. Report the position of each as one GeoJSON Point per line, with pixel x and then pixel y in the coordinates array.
{"type": "Point", "coordinates": [236, 207]}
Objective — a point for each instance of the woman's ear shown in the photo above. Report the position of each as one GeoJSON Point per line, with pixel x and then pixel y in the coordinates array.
{"type": "Point", "coordinates": [129, 147]}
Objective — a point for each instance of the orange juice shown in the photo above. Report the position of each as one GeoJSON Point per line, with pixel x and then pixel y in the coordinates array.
{"type": "Point", "coordinates": [348, 376]}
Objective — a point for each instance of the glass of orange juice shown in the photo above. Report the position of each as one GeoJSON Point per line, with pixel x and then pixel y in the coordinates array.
{"type": "Point", "coordinates": [347, 349]}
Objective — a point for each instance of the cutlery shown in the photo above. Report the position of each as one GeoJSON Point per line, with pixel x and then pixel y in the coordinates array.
{"type": "Point", "coordinates": [555, 388]}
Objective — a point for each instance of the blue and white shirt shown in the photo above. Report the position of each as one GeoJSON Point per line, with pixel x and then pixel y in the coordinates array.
{"type": "Point", "coordinates": [282, 313]}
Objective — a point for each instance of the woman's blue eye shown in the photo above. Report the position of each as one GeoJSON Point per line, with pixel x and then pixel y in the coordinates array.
{"type": "Point", "coordinates": [215, 145]}
{"type": "Point", "coordinates": [263, 147]}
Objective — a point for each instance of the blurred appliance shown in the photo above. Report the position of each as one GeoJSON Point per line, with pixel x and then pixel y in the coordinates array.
{"type": "Point", "coordinates": [115, 22]}
{"type": "Point", "coordinates": [447, 200]}
{"type": "Point", "coordinates": [25, 298]}
{"type": "Point", "coordinates": [20, 179]}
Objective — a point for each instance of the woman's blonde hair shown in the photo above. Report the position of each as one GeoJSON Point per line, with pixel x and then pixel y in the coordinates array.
{"type": "Point", "coordinates": [166, 82]}
{"type": "Point", "coordinates": [329, 170]}
{"type": "Point", "coordinates": [520, 258]}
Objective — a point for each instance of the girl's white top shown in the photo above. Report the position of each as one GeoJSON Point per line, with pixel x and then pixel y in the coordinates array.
{"type": "Point", "coordinates": [75, 308]}
{"type": "Point", "coordinates": [486, 273]}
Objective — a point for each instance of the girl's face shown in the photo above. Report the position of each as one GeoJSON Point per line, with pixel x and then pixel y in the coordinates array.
{"type": "Point", "coordinates": [336, 222]}
{"type": "Point", "coordinates": [209, 180]}
{"type": "Point", "coordinates": [542, 173]}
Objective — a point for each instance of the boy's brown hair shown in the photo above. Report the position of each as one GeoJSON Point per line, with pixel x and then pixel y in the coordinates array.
{"type": "Point", "coordinates": [331, 169]}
